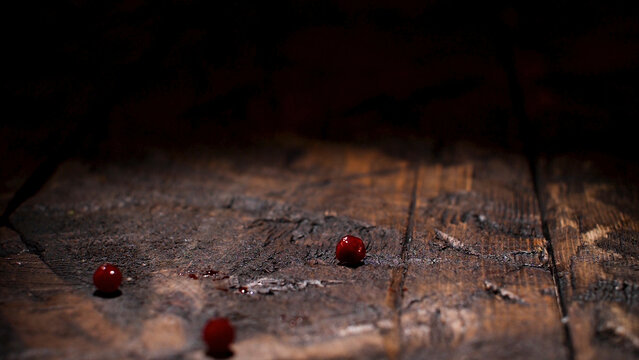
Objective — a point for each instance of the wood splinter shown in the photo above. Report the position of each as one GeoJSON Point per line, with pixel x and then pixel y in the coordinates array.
{"type": "Point", "coordinates": [502, 293]}
{"type": "Point", "coordinates": [454, 243]}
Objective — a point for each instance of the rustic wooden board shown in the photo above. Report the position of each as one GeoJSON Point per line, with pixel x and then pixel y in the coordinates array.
{"type": "Point", "coordinates": [478, 283]}
{"type": "Point", "coordinates": [469, 276]}
{"type": "Point", "coordinates": [592, 213]}
{"type": "Point", "coordinates": [44, 316]}
{"type": "Point", "coordinates": [266, 220]}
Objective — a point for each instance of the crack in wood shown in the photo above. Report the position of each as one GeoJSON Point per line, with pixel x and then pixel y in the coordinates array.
{"type": "Point", "coordinates": [393, 340]}
{"type": "Point", "coordinates": [416, 301]}
{"type": "Point", "coordinates": [525, 131]}
{"type": "Point", "coordinates": [560, 295]}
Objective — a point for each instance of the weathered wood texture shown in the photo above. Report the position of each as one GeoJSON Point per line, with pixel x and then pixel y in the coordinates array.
{"type": "Point", "coordinates": [265, 221]}
{"type": "Point", "coordinates": [478, 283]}
{"type": "Point", "coordinates": [592, 212]}
{"type": "Point", "coordinates": [457, 263]}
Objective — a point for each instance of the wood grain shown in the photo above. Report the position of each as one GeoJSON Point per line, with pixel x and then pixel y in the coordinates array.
{"type": "Point", "coordinates": [458, 265]}
{"type": "Point", "coordinates": [478, 284]}
{"type": "Point", "coordinates": [263, 221]}
{"type": "Point", "coordinates": [592, 213]}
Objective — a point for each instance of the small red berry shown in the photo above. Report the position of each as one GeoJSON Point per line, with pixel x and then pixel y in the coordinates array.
{"type": "Point", "coordinates": [218, 334]}
{"type": "Point", "coordinates": [350, 250]}
{"type": "Point", "coordinates": [107, 278]}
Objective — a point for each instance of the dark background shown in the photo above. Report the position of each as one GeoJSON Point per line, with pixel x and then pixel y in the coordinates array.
{"type": "Point", "coordinates": [85, 77]}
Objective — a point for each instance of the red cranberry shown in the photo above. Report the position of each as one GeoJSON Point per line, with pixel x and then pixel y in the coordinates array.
{"type": "Point", "coordinates": [218, 334]}
{"type": "Point", "coordinates": [350, 250]}
{"type": "Point", "coordinates": [107, 278]}
{"type": "Point", "coordinates": [244, 290]}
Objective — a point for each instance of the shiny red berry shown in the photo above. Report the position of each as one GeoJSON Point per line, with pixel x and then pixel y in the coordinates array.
{"type": "Point", "coordinates": [218, 334]}
{"type": "Point", "coordinates": [107, 278]}
{"type": "Point", "coordinates": [350, 250]}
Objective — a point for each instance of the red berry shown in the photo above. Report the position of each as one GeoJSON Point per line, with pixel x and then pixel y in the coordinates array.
{"type": "Point", "coordinates": [350, 250]}
{"type": "Point", "coordinates": [218, 334]}
{"type": "Point", "coordinates": [107, 278]}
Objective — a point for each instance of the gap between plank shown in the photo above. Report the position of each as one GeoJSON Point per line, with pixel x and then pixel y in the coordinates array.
{"type": "Point", "coordinates": [560, 296]}
{"type": "Point", "coordinates": [527, 133]}
{"type": "Point", "coordinates": [398, 277]}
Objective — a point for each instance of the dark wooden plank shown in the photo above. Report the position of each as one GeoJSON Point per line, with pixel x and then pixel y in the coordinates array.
{"type": "Point", "coordinates": [592, 212]}
{"type": "Point", "coordinates": [266, 219]}
{"type": "Point", "coordinates": [44, 316]}
{"type": "Point", "coordinates": [10, 242]}
{"type": "Point", "coordinates": [478, 283]}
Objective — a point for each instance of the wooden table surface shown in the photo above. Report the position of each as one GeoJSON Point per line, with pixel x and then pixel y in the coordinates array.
{"type": "Point", "coordinates": [472, 253]}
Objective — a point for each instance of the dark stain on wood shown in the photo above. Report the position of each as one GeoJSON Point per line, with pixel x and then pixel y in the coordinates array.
{"type": "Point", "coordinates": [623, 242]}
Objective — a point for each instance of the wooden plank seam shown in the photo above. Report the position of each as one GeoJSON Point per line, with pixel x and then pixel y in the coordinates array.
{"type": "Point", "coordinates": [559, 294]}
{"type": "Point", "coordinates": [398, 277]}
